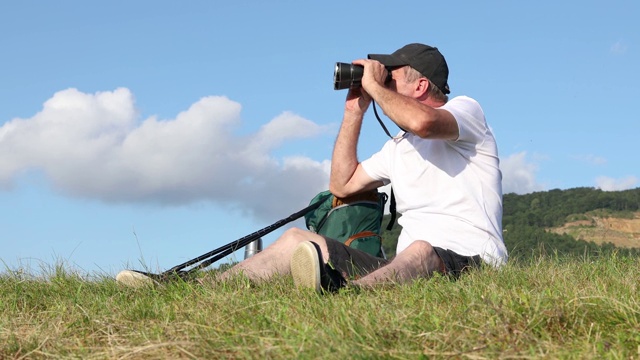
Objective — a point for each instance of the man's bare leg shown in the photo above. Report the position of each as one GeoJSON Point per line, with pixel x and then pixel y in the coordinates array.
{"type": "Point", "coordinates": [418, 260]}
{"type": "Point", "coordinates": [275, 259]}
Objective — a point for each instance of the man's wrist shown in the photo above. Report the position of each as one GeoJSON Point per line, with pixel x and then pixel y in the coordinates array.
{"type": "Point", "coordinates": [353, 115]}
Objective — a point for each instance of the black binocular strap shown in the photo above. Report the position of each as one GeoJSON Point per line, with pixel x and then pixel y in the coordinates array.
{"type": "Point", "coordinates": [392, 200]}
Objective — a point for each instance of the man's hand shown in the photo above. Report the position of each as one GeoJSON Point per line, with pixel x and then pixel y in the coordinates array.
{"type": "Point", "coordinates": [357, 102]}
{"type": "Point", "coordinates": [374, 73]}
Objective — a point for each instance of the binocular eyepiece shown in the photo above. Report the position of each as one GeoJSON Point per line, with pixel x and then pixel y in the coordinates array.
{"type": "Point", "coordinates": [347, 76]}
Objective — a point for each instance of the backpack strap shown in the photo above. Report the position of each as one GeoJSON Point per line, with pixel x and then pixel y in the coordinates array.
{"type": "Point", "coordinates": [392, 210]}
{"type": "Point", "coordinates": [359, 236]}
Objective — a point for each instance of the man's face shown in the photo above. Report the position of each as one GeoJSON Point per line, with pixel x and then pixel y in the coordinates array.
{"type": "Point", "coordinates": [398, 82]}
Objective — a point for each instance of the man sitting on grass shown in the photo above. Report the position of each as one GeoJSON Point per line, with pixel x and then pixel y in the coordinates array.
{"type": "Point", "coordinates": [444, 170]}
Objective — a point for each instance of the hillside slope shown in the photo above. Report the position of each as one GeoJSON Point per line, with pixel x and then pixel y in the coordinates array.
{"type": "Point", "coordinates": [621, 232]}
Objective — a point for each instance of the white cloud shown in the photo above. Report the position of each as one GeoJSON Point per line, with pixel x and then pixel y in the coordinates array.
{"type": "Point", "coordinates": [518, 175]}
{"type": "Point", "coordinates": [610, 184]}
{"type": "Point", "coordinates": [95, 146]}
{"type": "Point", "coordinates": [619, 47]}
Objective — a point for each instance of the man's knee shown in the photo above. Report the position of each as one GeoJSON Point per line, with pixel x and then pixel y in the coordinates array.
{"type": "Point", "coordinates": [296, 235]}
{"type": "Point", "coordinates": [420, 247]}
{"type": "Point", "coordinates": [293, 235]}
{"type": "Point", "coordinates": [426, 255]}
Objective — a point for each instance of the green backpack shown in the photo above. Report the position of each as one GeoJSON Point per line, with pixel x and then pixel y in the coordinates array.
{"type": "Point", "coordinates": [355, 221]}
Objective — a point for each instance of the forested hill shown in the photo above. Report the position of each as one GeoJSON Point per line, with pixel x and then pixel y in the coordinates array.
{"type": "Point", "coordinates": [531, 222]}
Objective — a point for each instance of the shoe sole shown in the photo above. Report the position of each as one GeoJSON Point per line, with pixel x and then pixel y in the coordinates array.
{"type": "Point", "coordinates": [305, 267]}
{"type": "Point", "coordinates": [134, 279]}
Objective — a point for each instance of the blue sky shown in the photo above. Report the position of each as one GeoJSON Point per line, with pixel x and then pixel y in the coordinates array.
{"type": "Point", "coordinates": [144, 133]}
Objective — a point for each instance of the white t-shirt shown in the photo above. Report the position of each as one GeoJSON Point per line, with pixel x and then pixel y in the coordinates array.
{"type": "Point", "coordinates": [448, 192]}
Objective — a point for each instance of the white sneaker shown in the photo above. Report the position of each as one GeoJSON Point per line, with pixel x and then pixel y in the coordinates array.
{"type": "Point", "coordinates": [305, 266]}
{"type": "Point", "coordinates": [135, 279]}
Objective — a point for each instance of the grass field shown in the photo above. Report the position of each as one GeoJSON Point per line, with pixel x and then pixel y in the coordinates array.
{"type": "Point", "coordinates": [548, 308]}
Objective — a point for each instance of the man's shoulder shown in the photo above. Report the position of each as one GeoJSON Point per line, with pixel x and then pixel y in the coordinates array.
{"type": "Point", "coordinates": [463, 107]}
{"type": "Point", "coordinates": [462, 101]}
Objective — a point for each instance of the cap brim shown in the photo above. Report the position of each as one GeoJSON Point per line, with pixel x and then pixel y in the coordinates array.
{"type": "Point", "coordinates": [388, 60]}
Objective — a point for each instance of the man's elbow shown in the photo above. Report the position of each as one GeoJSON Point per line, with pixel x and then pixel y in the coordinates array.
{"type": "Point", "coordinates": [337, 191]}
{"type": "Point", "coordinates": [421, 127]}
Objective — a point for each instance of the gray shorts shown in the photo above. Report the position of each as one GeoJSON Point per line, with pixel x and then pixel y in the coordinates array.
{"type": "Point", "coordinates": [455, 264]}
{"type": "Point", "coordinates": [352, 263]}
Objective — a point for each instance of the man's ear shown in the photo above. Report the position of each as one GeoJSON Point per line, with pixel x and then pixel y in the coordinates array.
{"type": "Point", "coordinates": [422, 88]}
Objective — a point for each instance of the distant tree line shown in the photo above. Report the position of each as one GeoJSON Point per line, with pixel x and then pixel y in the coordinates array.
{"type": "Point", "coordinates": [526, 218]}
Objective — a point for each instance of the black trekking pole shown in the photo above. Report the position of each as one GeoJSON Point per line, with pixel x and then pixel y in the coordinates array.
{"type": "Point", "coordinates": [212, 256]}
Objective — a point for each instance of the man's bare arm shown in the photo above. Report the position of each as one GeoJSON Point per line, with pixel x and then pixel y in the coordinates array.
{"type": "Point", "coordinates": [347, 175]}
{"type": "Point", "coordinates": [417, 118]}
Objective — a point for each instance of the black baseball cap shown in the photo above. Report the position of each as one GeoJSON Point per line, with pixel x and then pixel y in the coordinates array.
{"type": "Point", "coordinates": [424, 58]}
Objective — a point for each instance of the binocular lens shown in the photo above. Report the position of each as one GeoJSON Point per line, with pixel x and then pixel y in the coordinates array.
{"type": "Point", "coordinates": [347, 76]}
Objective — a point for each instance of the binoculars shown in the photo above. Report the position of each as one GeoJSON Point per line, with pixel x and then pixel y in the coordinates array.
{"type": "Point", "coordinates": [347, 76]}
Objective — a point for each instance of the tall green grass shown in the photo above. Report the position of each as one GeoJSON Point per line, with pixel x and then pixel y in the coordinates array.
{"type": "Point", "coordinates": [546, 308]}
